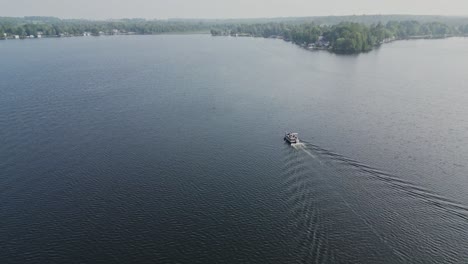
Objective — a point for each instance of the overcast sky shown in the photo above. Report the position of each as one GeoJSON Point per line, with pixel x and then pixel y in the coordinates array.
{"type": "Point", "coordinates": [103, 9]}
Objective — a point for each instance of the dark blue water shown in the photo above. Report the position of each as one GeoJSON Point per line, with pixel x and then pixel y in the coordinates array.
{"type": "Point", "coordinates": [168, 149]}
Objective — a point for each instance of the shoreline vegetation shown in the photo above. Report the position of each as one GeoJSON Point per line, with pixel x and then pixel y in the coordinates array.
{"type": "Point", "coordinates": [346, 37]}
{"type": "Point", "coordinates": [343, 34]}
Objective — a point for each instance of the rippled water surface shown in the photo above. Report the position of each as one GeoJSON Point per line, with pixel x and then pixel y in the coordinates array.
{"type": "Point", "coordinates": [168, 149]}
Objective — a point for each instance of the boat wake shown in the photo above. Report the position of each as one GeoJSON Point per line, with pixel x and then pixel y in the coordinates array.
{"type": "Point", "coordinates": [397, 183]}
{"type": "Point", "coordinates": [338, 205]}
{"type": "Point", "coordinates": [303, 147]}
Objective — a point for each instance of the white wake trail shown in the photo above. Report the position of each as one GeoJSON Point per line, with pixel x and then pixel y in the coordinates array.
{"type": "Point", "coordinates": [302, 147]}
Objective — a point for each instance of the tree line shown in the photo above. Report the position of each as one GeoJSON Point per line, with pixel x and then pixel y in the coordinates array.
{"type": "Point", "coordinates": [55, 27]}
{"type": "Point", "coordinates": [345, 37]}
{"type": "Point", "coordinates": [341, 37]}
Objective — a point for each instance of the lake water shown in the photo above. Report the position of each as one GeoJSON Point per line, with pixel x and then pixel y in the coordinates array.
{"type": "Point", "coordinates": [169, 149]}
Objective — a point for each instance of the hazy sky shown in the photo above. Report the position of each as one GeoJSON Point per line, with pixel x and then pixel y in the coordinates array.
{"type": "Point", "coordinates": [101, 9]}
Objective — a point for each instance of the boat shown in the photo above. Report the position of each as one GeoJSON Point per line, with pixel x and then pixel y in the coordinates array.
{"type": "Point", "coordinates": [291, 138]}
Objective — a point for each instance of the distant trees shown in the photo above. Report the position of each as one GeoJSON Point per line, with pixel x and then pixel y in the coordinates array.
{"type": "Point", "coordinates": [361, 33]}
{"type": "Point", "coordinates": [306, 34]}
{"type": "Point", "coordinates": [464, 29]}
{"type": "Point", "coordinates": [217, 32]}
{"type": "Point", "coordinates": [407, 29]}
{"type": "Point", "coordinates": [257, 30]}
{"type": "Point", "coordinates": [345, 37]}
{"type": "Point", "coordinates": [350, 38]}
{"type": "Point", "coordinates": [54, 26]}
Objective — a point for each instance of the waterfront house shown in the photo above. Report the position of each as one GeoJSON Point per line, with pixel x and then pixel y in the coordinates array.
{"type": "Point", "coordinates": [387, 40]}
{"type": "Point", "coordinates": [322, 42]}
{"type": "Point", "coordinates": [16, 36]}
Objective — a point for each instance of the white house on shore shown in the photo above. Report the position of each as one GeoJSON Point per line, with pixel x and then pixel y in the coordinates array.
{"type": "Point", "coordinates": [16, 36]}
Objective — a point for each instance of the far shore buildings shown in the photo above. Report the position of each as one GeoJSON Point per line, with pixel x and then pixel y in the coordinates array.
{"type": "Point", "coordinates": [387, 40]}
{"type": "Point", "coordinates": [321, 43]}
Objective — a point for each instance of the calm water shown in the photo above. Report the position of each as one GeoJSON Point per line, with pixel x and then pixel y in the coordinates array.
{"type": "Point", "coordinates": [168, 149]}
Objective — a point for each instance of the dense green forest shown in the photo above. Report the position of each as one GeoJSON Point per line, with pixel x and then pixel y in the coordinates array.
{"type": "Point", "coordinates": [50, 26]}
{"type": "Point", "coordinates": [345, 34]}
{"type": "Point", "coordinates": [345, 37]}
{"type": "Point", "coordinates": [333, 20]}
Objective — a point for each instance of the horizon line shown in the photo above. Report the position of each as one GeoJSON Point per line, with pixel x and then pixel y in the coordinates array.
{"type": "Point", "coordinates": [238, 18]}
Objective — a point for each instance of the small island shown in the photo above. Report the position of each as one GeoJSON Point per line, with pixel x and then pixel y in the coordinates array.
{"type": "Point", "coordinates": [344, 37]}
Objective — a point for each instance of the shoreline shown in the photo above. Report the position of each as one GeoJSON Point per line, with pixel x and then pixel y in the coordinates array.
{"type": "Point", "coordinates": [330, 49]}
{"type": "Point", "coordinates": [103, 35]}
{"type": "Point", "coordinates": [306, 46]}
